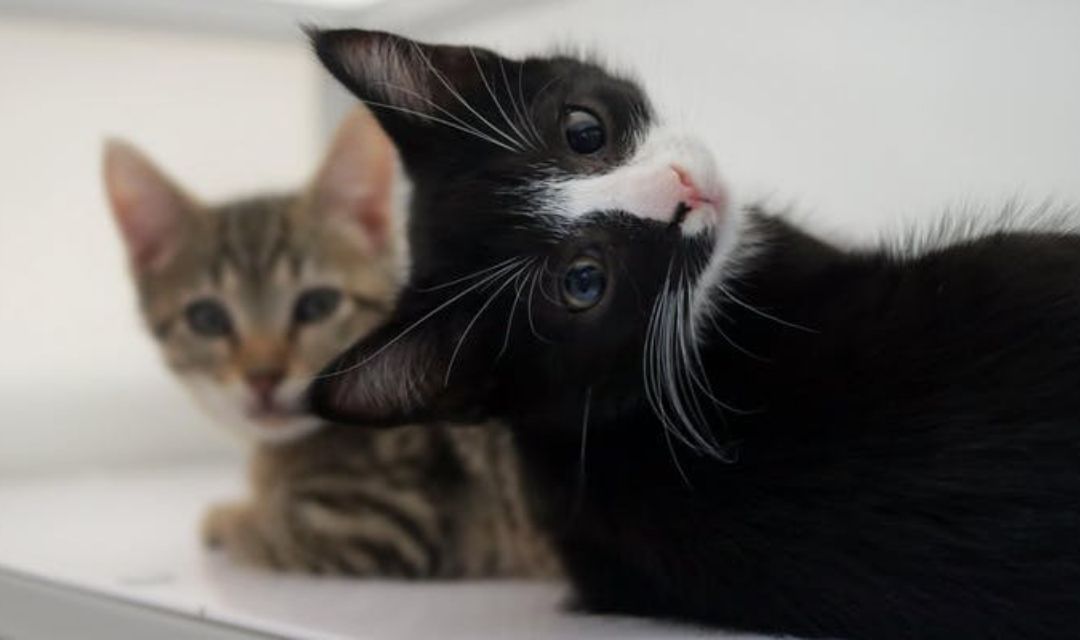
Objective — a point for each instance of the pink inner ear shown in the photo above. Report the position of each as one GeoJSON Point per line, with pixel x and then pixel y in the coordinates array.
{"type": "Point", "coordinates": [356, 181]}
{"type": "Point", "coordinates": [146, 205]}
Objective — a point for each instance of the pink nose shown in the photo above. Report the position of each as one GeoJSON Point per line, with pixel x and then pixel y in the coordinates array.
{"type": "Point", "coordinates": [264, 383]}
{"type": "Point", "coordinates": [691, 194]}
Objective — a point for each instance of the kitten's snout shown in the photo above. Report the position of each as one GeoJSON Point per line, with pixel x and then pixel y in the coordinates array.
{"type": "Point", "coordinates": [264, 383]}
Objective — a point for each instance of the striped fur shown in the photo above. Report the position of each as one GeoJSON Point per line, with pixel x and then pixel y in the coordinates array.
{"type": "Point", "coordinates": [417, 502]}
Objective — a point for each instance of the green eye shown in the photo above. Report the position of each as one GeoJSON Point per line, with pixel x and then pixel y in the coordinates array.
{"type": "Point", "coordinates": [315, 305]}
{"type": "Point", "coordinates": [208, 318]}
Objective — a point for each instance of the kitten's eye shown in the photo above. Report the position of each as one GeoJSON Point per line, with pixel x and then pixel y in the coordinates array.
{"type": "Point", "coordinates": [584, 284]}
{"type": "Point", "coordinates": [208, 319]}
{"type": "Point", "coordinates": [316, 304]}
{"type": "Point", "coordinates": [584, 132]}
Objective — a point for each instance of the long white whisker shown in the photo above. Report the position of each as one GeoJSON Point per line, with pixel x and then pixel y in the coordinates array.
{"type": "Point", "coordinates": [746, 352]}
{"type": "Point", "coordinates": [519, 112]}
{"type": "Point", "coordinates": [528, 305]}
{"type": "Point", "coordinates": [420, 114]}
{"type": "Point", "coordinates": [494, 98]}
{"type": "Point", "coordinates": [670, 372]}
{"type": "Point", "coordinates": [449, 114]}
{"type": "Point", "coordinates": [692, 357]}
{"type": "Point", "coordinates": [449, 87]}
{"type": "Point", "coordinates": [653, 391]}
{"type": "Point", "coordinates": [416, 324]}
{"type": "Point", "coordinates": [579, 494]}
{"type": "Point", "coordinates": [749, 307]}
{"type": "Point", "coordinates": [524, 105]}
{"type": "Point", "coordinates": [522, 277]}
{"type": "Point", "coordinates": [471, 276]}
{"type": "Point", "coordinates": [468, 328]}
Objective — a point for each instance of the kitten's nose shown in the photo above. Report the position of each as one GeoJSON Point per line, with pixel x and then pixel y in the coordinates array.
{"type": "Point", "coordinates": [691, 193]}
{"type": "Point", "coordinates": [264, 383]}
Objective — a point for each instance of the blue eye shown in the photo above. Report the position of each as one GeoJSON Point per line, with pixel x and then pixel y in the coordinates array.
{"type": "Point", "coordinates": [584, 284]}
{"type": "Point", "coordinates": [584, 132]}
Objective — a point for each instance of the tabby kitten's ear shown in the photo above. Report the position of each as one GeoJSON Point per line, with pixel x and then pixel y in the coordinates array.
{"type": "Point", "coordinates": [355, 184]}
{"type": "Point", "coordinates": [148, 207]}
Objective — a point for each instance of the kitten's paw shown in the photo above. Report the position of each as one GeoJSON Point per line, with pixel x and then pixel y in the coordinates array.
{"type": "Point", "coordinates": [222, 522]}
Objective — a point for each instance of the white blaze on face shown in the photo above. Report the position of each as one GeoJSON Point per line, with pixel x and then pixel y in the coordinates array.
{"type": "Point", "coordinates": [666, 171]}
{"type": "Point", "coordinates": [230, 405]}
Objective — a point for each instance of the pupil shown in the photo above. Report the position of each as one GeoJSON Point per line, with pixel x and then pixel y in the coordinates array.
{"type": "Point", "coordinates": [584, 285]}
{"type": "Point", "coordinates": [316, 304]}
{"type": "Point", "coordinates": [208, 318]}
{"type": "Point", "coordinates": [584, 133]}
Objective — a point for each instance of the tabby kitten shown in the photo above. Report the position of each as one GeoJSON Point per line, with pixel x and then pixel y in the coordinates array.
{"type": "Point", "coordinates": [248, 300]}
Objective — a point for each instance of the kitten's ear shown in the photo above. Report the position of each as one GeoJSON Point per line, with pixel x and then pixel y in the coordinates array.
{"type": "Point", "coordinates": [416, 90]}
{"type": "Point", "coordinates": [399, 374]}
{"type": "Point", "coordinates": [356, 181]}
{"type": "Point", "coordinates": [148, 207]}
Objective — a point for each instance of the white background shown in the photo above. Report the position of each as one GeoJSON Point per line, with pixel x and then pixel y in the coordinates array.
{"type": "Point", "coordinates": [860, 115]}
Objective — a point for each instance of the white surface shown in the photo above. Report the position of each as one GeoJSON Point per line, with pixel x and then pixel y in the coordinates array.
{"type": "Point", "coordinates": [132, 535]}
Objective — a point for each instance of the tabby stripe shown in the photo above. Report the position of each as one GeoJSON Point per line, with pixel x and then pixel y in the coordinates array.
{"type": "Point", "coordinates": [347, 507]}
{"type": "Point", "coordinates": [389, 559]}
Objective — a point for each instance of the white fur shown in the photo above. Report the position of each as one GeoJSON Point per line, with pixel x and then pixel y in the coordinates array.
{"type": "Point", "coordinates": [647, 185]}
{"type": "Point", "coordinates": [230, 404]}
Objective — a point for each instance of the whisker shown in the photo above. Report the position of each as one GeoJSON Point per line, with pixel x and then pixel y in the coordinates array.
{"type": "Point", "coordinates": [532, 325]}
{"type": "Point", "coordinates": [579, 492]}
{"type": "Point", "coordinates": [513, 307]}
{"type": "Point", "coordinates": [449, 87]}
{"type": "Point", "coordinates": [450, 114]}
{"type": "Point", "coordinates": [420, 114]}
{"type": "Point", "coordinates": [468, 327]}
{"type": "Point", "coordinates": [416, 324]}
{"type": "Point", "coordinates": [751, 308]}
{"type": "Point", "coordinates": [519, 108]}
{"type": "Point", "coordinates": [524, 105]}
{"type": "Point", "coordinates": [498, 105]}
{"type": "Point", "coordinates": [471, 276]}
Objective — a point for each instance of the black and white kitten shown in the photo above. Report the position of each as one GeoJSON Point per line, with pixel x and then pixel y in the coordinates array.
{"type": "Point", "coordinates": [727, 421]}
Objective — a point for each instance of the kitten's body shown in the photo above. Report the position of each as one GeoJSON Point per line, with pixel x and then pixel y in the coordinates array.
{"type": "Point", "coordinates": [418, 502]}
{"type": "Point", "coordinates": [428, 502]}
{"type": "Point", "coordinates": [914, 476]}
{"type": "Point", "coordinates": [731, 422]}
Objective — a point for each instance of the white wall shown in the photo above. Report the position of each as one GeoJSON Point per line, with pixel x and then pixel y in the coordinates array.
{"type": "Point", "coordinates": [857, 113]}
{"type": "Point", "coordinates": [79, 380]}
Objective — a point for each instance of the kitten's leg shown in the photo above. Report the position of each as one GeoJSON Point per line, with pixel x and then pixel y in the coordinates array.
{"type": "Point", "coordinates": [235, 528]}
{"type": "Point", "coordinates": [371, 528]}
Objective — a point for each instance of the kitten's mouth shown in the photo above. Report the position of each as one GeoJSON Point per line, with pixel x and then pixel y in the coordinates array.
{"type": "Point", "coordinates": [274, 416]}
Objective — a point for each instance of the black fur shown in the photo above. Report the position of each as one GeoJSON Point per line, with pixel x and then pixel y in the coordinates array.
{"type": "Point", "coordinates": [900, 452]}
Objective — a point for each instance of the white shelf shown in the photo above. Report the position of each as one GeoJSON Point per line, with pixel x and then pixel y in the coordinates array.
{"type": "Point", "coordinates": [115, 554]}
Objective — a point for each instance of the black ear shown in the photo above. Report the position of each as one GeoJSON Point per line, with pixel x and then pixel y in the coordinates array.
{"type": "Point", "coordinates": [424, 93]}
{"type": "Point", "coordinates": [400, 373]}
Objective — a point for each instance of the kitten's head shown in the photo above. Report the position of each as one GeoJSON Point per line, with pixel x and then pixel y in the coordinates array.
{"type": "Point", "coordinates": [555, 224]}
{"type": "Point", "coordinates": [250, 298]}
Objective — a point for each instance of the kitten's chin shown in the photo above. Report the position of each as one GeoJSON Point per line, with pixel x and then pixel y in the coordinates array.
{"type": "Point", "coordinates": [231, 408]}
{"type": "Point", "coordinates": [280, 428]}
